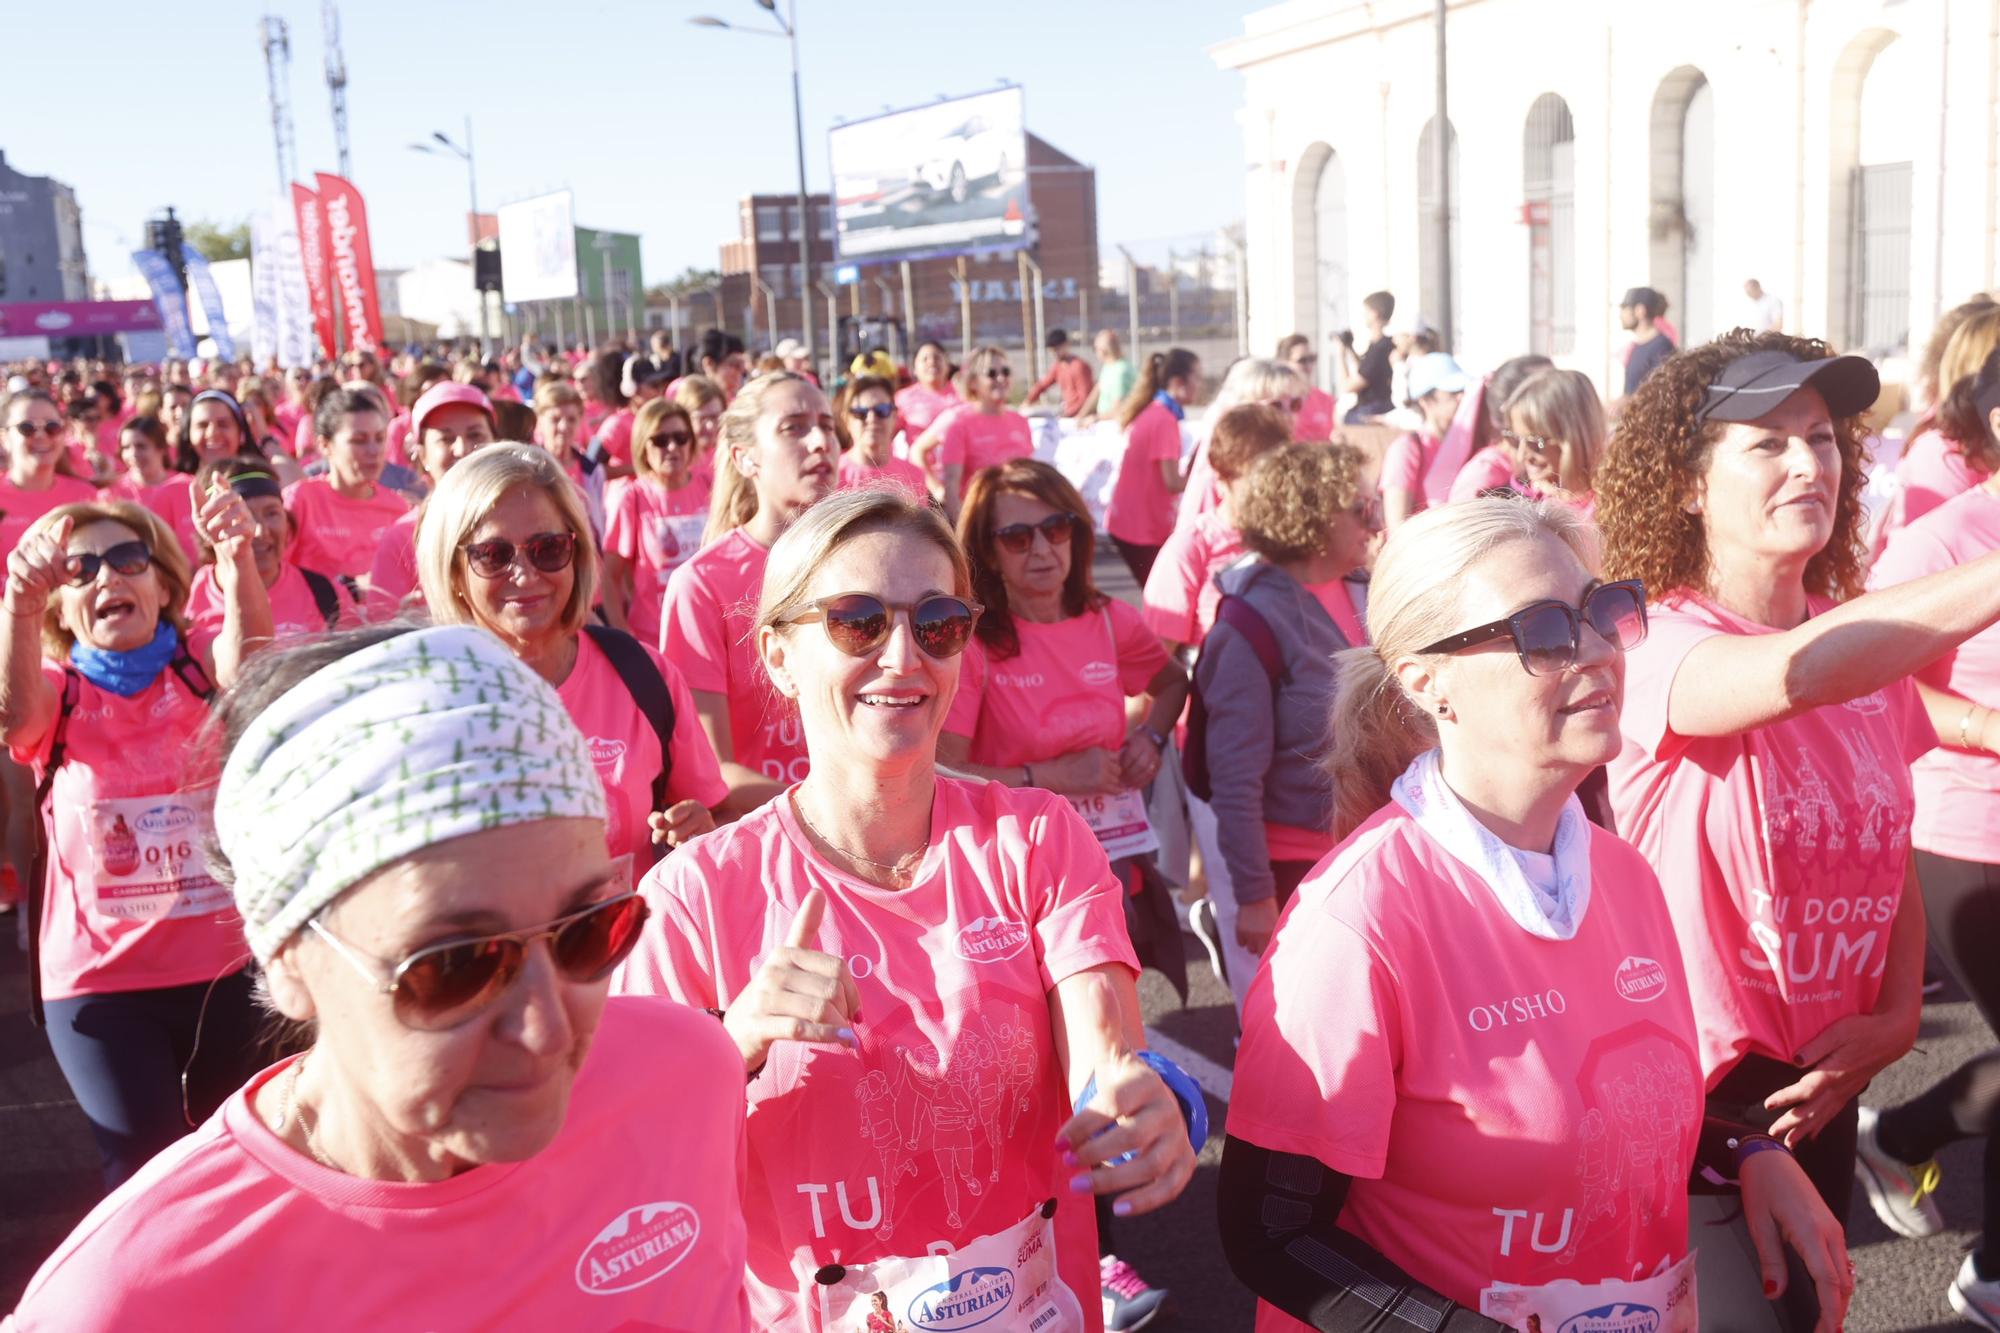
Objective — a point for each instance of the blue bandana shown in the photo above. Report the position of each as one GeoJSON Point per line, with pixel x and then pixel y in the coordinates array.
{"type": "Point", "coordinates": [127, 673]}
{"type": "Point", "coordinates": [1167, 400]}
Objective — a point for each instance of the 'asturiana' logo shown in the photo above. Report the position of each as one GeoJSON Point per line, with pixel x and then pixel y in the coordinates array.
{"type": "Point", "coordinates": [1099, 673]}
{"type": "Point", "coordinates": [640, 1244]}
{"type": "Point", "coordinates": [1641, 979]}
{"type": "Point", "coordinates": [963, 1300]}
{"type": "Point", "coordinates": [1619, 1317]}
{"type": "Point", "coordinates": [164, 819]}
{"type": "Point", "coordinates": [990, 939]}
{"type": "Point", "coordinates": [604, 751]}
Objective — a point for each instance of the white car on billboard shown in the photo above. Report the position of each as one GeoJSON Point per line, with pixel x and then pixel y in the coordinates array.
{"type": "Point", "coordinates": [975, 151]}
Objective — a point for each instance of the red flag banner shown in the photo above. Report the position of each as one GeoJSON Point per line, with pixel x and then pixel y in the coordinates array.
{"type": "Point", "coordinates": [353, 261]}
{"type": "Point", "coordinates": [314, 255]}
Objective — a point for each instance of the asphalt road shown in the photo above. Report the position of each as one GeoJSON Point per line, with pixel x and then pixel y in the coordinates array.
{"type": "Point", "coordinates": [48, 1172]}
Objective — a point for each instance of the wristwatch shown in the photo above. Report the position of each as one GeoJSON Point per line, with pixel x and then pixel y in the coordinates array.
{"type": "Point", "coordinates": [1159, 741]}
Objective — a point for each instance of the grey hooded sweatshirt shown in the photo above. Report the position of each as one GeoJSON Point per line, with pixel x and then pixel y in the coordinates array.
{"type": "Point", "coordinates": [1265, 741]}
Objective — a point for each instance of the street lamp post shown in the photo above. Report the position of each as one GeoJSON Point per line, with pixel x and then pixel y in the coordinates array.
{"type": "Point", "coordinates": [788, 28]}
{"type": "Point", "coordinates": [472, 223]}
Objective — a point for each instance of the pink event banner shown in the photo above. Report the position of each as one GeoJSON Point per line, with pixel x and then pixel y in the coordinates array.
{"type": "Point", "coordinates": [75, 319]}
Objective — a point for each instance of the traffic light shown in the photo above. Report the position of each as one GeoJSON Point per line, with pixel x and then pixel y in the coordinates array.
{"type": "Point", "coordinates": [164, 234]}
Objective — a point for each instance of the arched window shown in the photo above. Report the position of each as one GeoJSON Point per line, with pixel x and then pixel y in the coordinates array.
{"type": "Point", "coordinates": [1319, 251]}
{"type": "Point", "coordinates": [1549, 208]}
{"type": "Point", "coordinates": [1682, 223]}
{"type": "Point", "coordinates": [1432, 284]}
{"type": "Point", "coordinates": [1878, 317]}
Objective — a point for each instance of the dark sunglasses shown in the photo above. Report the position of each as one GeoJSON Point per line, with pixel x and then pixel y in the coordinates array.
{"type": "Point", "coordinates": [445, 984]}
{"type": "Point", "coordinates": [1292, 405]}
{"type": "Point", "coordinates": [26, 429]}
{"type": "Point", "coordinates": [127, 558]}
{"type": "Point", "coordinates": [667, 439]}
{"type": "Point", "coordinates": [1000, 373]}
{"type": "Point", "coordinates": [1018, 537]}
{"type": "Point", "coordinates": [1546, 634]}
{"type": "Point", "coordinates": [1535, 443]}
{"type": "Point", "coordinates": [550, 552]}
{"type": "Point", "coordinates": [858, 623]}
{"type": "Point", "coordinates": [880, 411]}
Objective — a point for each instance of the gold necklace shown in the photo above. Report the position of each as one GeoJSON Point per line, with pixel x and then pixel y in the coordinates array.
{"type": "Point", "coordinates": [887, 867]}
{"type": "Point", "coordinates": [292, 1108]}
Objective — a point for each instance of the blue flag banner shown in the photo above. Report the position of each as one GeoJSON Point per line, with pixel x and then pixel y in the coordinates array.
{"type": "Point", "coordinates": [203, 283]}
{"type": "Point", "coordinates": [169, 300]}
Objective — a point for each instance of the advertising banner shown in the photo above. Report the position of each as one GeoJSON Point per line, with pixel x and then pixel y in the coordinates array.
{"type": "Point", "coordinates": [283, 304]}
{"type": "Point", "coordinates": [205, 291]}
{"type": "Point", "coordinates": [315, 262]}
{"type": "Point", "coordinates": [353, 261]}
{"type": "Point", "coordinates": [76, 319]}
{"type": "Point", "coordinates": [168, 299]}
{"type": "Point", "coordinates": [948, 178]}
{"type": "Point", "coordinates": [538, 248]}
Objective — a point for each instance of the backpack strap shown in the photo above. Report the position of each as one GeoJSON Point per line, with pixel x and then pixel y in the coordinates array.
{"type": "Point", "coordinates": [325, 596]}
{"type": "Point", "coordinates": [648, 689]}
{"type": "Point", "coordinates": [1246, 620]}
{"type": "Point", "coordinates": [36, 874]}
{"type": "Point", "coordinates": [193, 675]}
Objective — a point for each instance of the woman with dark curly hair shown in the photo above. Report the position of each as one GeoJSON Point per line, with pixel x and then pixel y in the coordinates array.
{"type": "Point", "coordinates": [1769, 727]}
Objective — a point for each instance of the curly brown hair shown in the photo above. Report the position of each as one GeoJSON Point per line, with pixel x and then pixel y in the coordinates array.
{"type": "Point", "coordinates": [1295, 494]}
{"type": "Point", "coordinates": [1656, 460]}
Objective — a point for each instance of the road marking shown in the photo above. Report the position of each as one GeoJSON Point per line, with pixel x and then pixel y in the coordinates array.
{"type": "Point", "coordinates": [1214, 1079]}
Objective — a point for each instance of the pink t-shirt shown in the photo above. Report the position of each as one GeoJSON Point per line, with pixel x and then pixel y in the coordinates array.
{"type": "Point", "coordinates": [617, 437]}
{"type": "Point", "coordinates": [1420, 464]}
{"type": "Point", "coordinates": [1141, 510]}
{"type": "Point", "coordinates": [305, 439]}
{"type": "Point", "coordinates": [1511, 1108]}
{"type": "Point", "coordinates": [20, 508]}
{"type": "Point", "coordinates": [1180, 594]}
{"type": "Point", "coordinates": [1203, 493]}
{"type": "Point", "coordinates": [855, 474]}
{"type": "Point", "coordinates": [171, 498]}
{"type": "Point", "coordinates": [399, 439]}
{"type": "Point", "coordinates": [1783, 850]}
{"type": "Point", "coordinates": [1958, 791]}
{"type": "Point", "coordinates": [1337, 596]}
{"type": "Point", "coordinates": [392, 582]}
{"type": "Point", "coordinates": [919, 405]}
{"type": "Point", "coordinates": [294, 610]}
{"type": "Point", "coordinates": [1314, 422]}
{"type": "Point", "coordinates": [131, 904]}
{"type": "Point", "coordinates": [1489, 469]}
{"type": "Point", "coordinates": [939, 1127]}
{"type": "Point", "coordinates": [1932, 470]}
{"type": "Point", "coordinates": [706, 631]}
{"type": "Point", "coordinates": [655, 531]}
{"type": "Point", "coordinates": [337, 535]}
{"type": "Point", "coordinates": [618, 1224]}
{"type": "Point", "coordinates": [975, 440]}
{"type": "Point", "coordinates": [626, 749]}
{"type": "Point", "coordinates": [1064, 691]}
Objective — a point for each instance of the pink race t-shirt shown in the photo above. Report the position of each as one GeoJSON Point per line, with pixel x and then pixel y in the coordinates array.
{"type": "Point", "coordinates": [20, 508]}
{"type": "Point", "coordinates": [1314, 422]}
{"type": "Point", "coordinates": [1511, 1108]}
{"type": "Point", "coordinates": [624, 1221]}
{"type": "Point", "coordinates": [1064, 691]}
{"type": "Point", "coordinates": [1932, 470]}
{"type": "Point", "coordinates": [940, 1126]}
{"type": "Point", "coordinates": [655, 531]}
{"type": "Point", "coordinates": [1203, 493]}
{"type": "Point", "coordinates": [1492, 468]}
{"type": "Point", "coordinates": [131, 904]}
{"type": "Point", "coordinates": [1180, 594]}
{"type": "Point", "coordinates": [1141, 509]}
{"type": "Point", "coordinates": [1958, 791]}
{"type": "Point", "coordinates": [1418, 463]}
{"type": "Point", "coordinates": [616, 437]}
{"type": "Point", "coordinates": [706, 631]}
{"type": "Point", "coordinates": [171, 499]}
{"type": "Point", "coordinates": [626, 749]}
{"type": "Point", "coordinates": [398, 440]}
{"type": "Point", "coordinates": [337, 535]}
{"type": "Point", "coordinates": [919, 405]}
{"type": "Point", "coordinates": [1783, 850]}
{"type": "Point", "coordinates": [392, 582]}
{"type": "Point", "coordinates": [294, 609]}
{"type": "Point", "coordinates": [1337, 596]}
{"type": "Point", "coordinates": [975, 440]}
{"type": "Point", "coordinates": [855, 474]}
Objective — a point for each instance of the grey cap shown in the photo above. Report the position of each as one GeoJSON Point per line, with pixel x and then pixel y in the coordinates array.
{"type": "Point", "coordinates": [1758, 382]}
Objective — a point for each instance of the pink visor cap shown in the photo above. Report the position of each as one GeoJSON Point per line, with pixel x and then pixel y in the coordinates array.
{"type": "Point", "coordinates": [444, 394]}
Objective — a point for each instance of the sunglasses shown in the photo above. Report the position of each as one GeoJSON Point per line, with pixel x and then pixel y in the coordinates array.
{"type": "Point", "coordinates": [1546, 634]}
{"type": "Point", "coordinates": [127, 558]}
{"type": "Point", "coordinates": [668, 439]}
{"type": "Point", "coordinates": [1534, 443]}
{"type": "Point", "coordinates": [1000, 373]}
{"type": "Point", "coordinates": [550, 552]}
{"type": "Point", "coordinates": [26, 429]}
{"type": "Point", "coordinates": [858, 623]}
{"type": "Point", "coordinates": [1292, 405]}
{"type": "Point", "coordinates": [880, 411]}
{"type": "Point", "coordinates": [1018, 537]}
{"type": "Point", "coordinates": [446, 984]}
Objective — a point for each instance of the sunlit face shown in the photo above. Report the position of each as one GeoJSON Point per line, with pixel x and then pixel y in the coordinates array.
{"type": "Point", "coordinates": [1351, 537]}
{"type": "Point", "coordinates": [872, 432]}
{"type": "Point", "coordinates": [144, 459]}
{"type": "Point", "coordinates": [932, 367]}
{"type": "Point", "coordinates": [1771, 486]}
{"type": "Point", "coordinates": [450, 433]}
{"type": "Point", "coordinates": [1537, 457]}
{"type": "Point", "coordinates": [35, 436]}
{"type": "Point", "coordinates": [990, 386]}
{"type": "Point", "coordinates": [274, 534]}
{"type": "Point", "coordinates": [670, 450]}
{"type": "Point", "coordinates": [359, 449]}
{"type": "Point", "coordinates": [560, 428]}
{"type": "Point", "coordinates": [708, 424]}
{"type": "Point", "coordinates": [523, 605]}
{"type": "Point", "coordinates": [213, 431]}
{"type": "Point", "coordinates": [1039, 571]}
{"type": "Point", "coordinates": [792, 460]}
{"type": "Point", "coordinates": [116, 612]}
{"type": "Point", "coordinates": [174, 403]}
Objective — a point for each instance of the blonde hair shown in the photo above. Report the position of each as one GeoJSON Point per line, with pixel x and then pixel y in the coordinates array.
{"type": "Point", "coordinates": [1971, 343]}
{"type": "Point", "coordinates": [733, 502]}
{"type": "Point", "coordinates": [551, 392]}
{"type": "Point", "coordinates": [170, 565]}
{"type": "Point", "coordinates": [647, 421]}
{"type": "Point", "coordinates": [1257, 379]}
{"type": "Point", "coordinates": [1413, 600]}
{"type": "Point", "coordinates": [976, 365]}
{"type": "Point", "coordinates": [695, 392]}
{"type": "Point", "coordinates": [464, 498]}
{"type": "Point", "coordinates": [829, 525]}
{"type": "Point", "coordinates": [1563, 405]}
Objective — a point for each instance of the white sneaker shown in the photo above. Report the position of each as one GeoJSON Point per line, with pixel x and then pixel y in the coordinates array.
{"type": "Point", "coordinates": [1975, 1300]}
{"type": "Point", "coordinates": [1899, 1193]}
{"type": "Point", "coordinates": [1201, 919]}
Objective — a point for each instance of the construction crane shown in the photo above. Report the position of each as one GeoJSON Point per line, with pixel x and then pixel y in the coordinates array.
{"type": "Point", "coordinates": [336, 82]}
{"type": "Point", "coordinates": [278, 71]}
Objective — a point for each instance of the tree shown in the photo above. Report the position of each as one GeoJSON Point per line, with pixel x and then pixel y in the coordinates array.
{"type": "Point", "coordinates": [690, 281]}
{"type": "Point", "coordinates": [218, 242]}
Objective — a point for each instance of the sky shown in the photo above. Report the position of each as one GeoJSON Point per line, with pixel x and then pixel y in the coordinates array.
{"type": "Point", "coordinates": [658, 126]}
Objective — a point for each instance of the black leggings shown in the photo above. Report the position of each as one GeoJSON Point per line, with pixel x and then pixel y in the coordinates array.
{"type": "Point", "coordinates": [1138, 559]}
{"type": "Point", "coordinates": [1962, 900]}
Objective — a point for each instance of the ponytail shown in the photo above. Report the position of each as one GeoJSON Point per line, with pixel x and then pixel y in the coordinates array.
{"type": "Point", "coordinates": [1377, 733]}
{"type": "Point", "coordinates": [1161, 369]}
{"type": "Point", "coordinates": [733, 502]}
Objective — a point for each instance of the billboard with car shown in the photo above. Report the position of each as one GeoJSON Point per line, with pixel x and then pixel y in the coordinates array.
{"type": "Point", "coordinates": [944, 179]}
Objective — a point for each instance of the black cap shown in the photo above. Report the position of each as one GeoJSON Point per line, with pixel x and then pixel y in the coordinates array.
{"type": "Point", "coordinates": [1645, 297]}
{"type": "Point", "coordinates": [1758, 382]}
{"type": "Point", "coordinates": [645, 370]}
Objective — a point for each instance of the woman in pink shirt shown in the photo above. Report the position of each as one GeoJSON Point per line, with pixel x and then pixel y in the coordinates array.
{"type": "Point", "coordinates": [39, 475]}
{"type": "Point", "coordinates": [1770, 710]}
{"type": "Point", "coordinates": [1469, 1083]}
{"type": "Point", "coordinates": [1950, 452]}
{"type": "Point", "coordinates": [103, 692]}
{"type": "Point", "coordinates": [1314, 415]}
{"type": "Point", "coordinates": [656, 521]}
{"type": "Point", "coordinates": [147, 480]}
{"type": "Point", "coordinates": [1556, 427]}
{"type": "Point", "coordinates": [470, 1137]}
{"type": "Point", "coordinates": [933, 394]}
{"type": "Point", "coordinates": [559, 428]}
{"type": "Point", "coordinates": [779, 455]}
{"type": "Point", "coordinates": [865, 416]}
{"type": "Point", "coordinates": [1259, 381]}
{"type": "Point", "coordinates": [341, 516]}
{"type": "Point", "coordinates": [1140, 513]}
{"type": "Point", "coordinates": [303, 601]}
{"type": "Point", "coordinates": [448, 423]}
{"type": "Point", "coordinates": [1419, 468]}
{"type": "Point", "coordinates": [984, 433]}
{"type": "Point", "coordinates": [922, 974]}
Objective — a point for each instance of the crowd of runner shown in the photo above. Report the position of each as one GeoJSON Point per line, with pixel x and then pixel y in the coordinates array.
{"type": "Point", "coordinates": [642, 837]}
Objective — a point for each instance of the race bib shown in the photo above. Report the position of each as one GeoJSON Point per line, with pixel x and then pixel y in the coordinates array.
{"type": "Point", "coordinates": [148, 861]}
{"type": "Point", "coordinates": [1663, 1303]}
{"type": "Point", "coordinates": [1119, 822]}
{"type": "Point", "coordinates": [1004, 1281]}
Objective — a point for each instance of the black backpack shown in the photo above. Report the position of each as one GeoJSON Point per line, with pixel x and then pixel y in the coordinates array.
{"type": "Point", "coordinates": [324, 597]}
{"type": "Point", "coordinates": [648, 689]}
